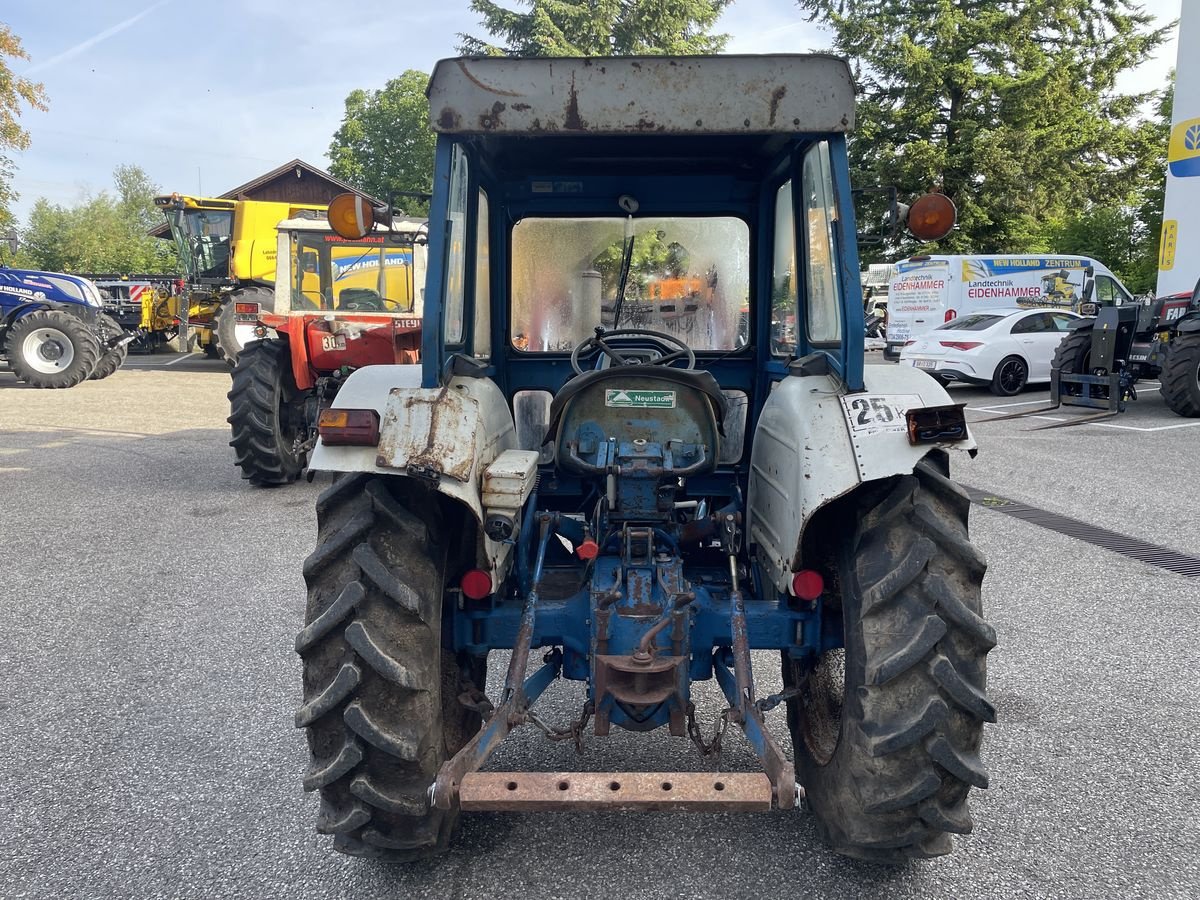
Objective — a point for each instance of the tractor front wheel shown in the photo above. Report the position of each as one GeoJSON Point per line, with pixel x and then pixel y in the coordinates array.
{"type": "Point", "coordinates": [114, 357]}
{"type": "Point", "coordinates": [52, 349]}
{"type": "Point", "coordinates": [266, 415]}
{"type": "Point", "coordinates": [1181, 375]}
{"type": "Point", "coordinates": [887, 730]}
{"type": "Point", "coordinates": [381, 689]}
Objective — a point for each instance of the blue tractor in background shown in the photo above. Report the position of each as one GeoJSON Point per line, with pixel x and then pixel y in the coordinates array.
{"type": "Point", "coordinates": [53, 330]}
{"type": "Point", "coordinates": [642, 438]}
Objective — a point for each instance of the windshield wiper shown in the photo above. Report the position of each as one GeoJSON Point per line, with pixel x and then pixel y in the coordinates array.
{"type": "Point", "coordinates": [626, 261]}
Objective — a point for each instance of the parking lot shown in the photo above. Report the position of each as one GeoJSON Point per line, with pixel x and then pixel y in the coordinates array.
{"type": "Point", "coordinates": [152, 600]}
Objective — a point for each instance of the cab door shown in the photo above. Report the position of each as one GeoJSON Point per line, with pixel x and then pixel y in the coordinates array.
{"type": "Point", "coordinates": [815, 300]}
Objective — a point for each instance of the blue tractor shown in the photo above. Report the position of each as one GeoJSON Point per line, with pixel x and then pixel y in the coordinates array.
{"type": "Point", "coordinates": [53, 331]}
{"type": "Point", "coordinates": [642, 442]}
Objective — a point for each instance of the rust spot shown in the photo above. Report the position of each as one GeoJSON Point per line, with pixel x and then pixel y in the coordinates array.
{"type": "Point", "coordinates": [521, 107]}
{"type": "Point", "coordinates": [573, 121]}
{"type": "Point", "coordinates": [776, 96]}
{"type": "Point", "coordinates": [645, 125]}
{"type": "Point", "coordinates": [491, 120]}
{"type": "Point", "coordinates": [448, 118]}
{"type": "Point", "coordinates": [462, 64]}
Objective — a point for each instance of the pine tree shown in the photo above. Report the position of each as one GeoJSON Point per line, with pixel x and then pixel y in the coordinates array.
{"type": "Point", "coordinates": [1008, 106]}
{"type": "Point", "coordinates": [598, 28]}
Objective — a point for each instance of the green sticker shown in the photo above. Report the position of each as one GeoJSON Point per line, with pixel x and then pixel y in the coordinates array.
{"type": "Point", "coordinates": [640, 399]}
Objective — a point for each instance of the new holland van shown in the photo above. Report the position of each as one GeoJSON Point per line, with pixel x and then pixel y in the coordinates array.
{"type": "Point", "coordinates": [928, 291]}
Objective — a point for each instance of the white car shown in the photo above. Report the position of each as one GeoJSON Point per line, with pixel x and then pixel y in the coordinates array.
{"type": "Point", "coordinates": [1005, 349]}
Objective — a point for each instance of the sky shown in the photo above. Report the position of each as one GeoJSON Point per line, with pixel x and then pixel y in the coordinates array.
{"type": "Point", "coordinates": [207, 96]}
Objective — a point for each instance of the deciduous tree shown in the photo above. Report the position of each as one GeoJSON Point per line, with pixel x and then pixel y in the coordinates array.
{"type": "Point", "coordinates": [15, 95]}
{"type": "Point", "coordinates": [385, 145]}
{"type": "Point", "coordinates": [104, 233]}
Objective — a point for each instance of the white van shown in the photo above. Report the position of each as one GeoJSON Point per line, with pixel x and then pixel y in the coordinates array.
{"type": "Point", "coordinates": [927, 291]}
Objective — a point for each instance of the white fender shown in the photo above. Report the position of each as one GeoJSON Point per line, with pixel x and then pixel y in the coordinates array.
{"type": "Point", "coordinates": [446, 436]}
{"type": "Point", "coordinates": [816, 442]}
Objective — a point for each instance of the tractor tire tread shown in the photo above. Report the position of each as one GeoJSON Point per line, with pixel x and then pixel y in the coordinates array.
{"type": "Point", "coordinates": [908, 750]}
{"type": "Point", "coordinates": [255, 396]}
{"type": "Point", "coordinates": [1180, 377]}
{"type": "Point", "coordinates": [375, 590]}
{"type": "Point", "coordinates": [113, 358]}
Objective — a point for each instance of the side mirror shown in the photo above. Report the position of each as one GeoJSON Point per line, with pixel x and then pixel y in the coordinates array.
{"type": "Point", "coordinates": [308, 261]}
{"type": "Point", "coordinates": [353, 216]}
{"type": "Point", "coordinates": [1089, 288]}
{"type": "Point", "coordinates": [930, 217]}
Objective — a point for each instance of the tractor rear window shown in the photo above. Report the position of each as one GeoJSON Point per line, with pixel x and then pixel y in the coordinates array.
{"type": "Point", "coordinates": [689, 277]}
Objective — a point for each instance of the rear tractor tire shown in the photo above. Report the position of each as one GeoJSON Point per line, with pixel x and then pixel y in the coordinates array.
{"type": "Point", "coordinates": [52, 349]}
{"type": "Point", "coordinates": [1181, 375]}
{"type": "Point", "coordinates": [381, 689]}
{"type": "Point", "coordinates": [266, 415]}
{"type": "Point", "coordinates": [887, 731]}
{"type": "Point", "coordinates": [114, 357]}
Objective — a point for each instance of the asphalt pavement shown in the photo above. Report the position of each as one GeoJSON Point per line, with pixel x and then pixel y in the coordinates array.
{"type": "Point", "coordinates": [147, 748]}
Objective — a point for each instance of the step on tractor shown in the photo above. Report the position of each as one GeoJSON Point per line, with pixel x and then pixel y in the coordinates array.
{"type": "Point", "coordinates": [639, 507]}
{"type": "Point", "coordinates": [1104, 356]}
{"type": "Point", "coordinates": [343, 304]}
{"type": "Point", "coordinates": [54, 332]}
{"type": "Point", "coordinates": [227, 250]}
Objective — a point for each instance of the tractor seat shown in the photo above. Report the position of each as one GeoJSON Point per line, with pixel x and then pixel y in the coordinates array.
{"type": "Point", "coordinates": [640, 402]}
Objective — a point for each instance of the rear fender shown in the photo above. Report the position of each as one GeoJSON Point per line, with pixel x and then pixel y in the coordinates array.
{"type": "Point", "coordinates": [815, 442]}
{"type": "Point", "coordinates": [445, 437]}
{"type": "Point", "coordinates": [1189, 324]}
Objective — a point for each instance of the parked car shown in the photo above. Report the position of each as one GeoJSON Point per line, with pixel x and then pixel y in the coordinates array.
{"type": "Point", "coordinates": [1005, 349]}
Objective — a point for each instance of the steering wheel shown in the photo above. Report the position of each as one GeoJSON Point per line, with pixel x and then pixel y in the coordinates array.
{"type": "Point", "coordinates": [658, 339]}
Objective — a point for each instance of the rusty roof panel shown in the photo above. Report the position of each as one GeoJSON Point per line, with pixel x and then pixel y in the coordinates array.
{"type": "Point", "coordinates": [642, 95]}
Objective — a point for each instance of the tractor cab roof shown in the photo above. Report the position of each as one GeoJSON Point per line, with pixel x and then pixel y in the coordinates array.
{"type": "Point", "coordinates": [318, 222]}
{"type": "Point", "coordinates": [642, 95]}
{"type": "Point", "coordinates": [637, 114]}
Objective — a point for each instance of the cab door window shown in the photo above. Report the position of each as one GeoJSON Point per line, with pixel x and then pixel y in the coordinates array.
{"type": "Point", "coordinates": [783, 275]}
{"type": "Point", "coordinates": [1108, 292]}
{"type": "Point", "coordinates": [456, 268]}
{"type": "Point", "coordinates": [823, 294]}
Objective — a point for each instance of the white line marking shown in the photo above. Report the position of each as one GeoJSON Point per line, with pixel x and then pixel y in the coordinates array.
{"type": "Point", "coordinates": [1119, 427]}
{"type": "Point", "coordinates": [995, 406]}
{"type": "Point", "coordinates": [179, 359]}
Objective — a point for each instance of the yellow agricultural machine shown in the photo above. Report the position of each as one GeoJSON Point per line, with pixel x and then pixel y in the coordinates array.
{"type": "Point", "coordinates": [228, 252]}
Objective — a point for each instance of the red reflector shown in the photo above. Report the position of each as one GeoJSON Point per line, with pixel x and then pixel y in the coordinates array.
{"type": "Point", "coordinates": [476, 584]}
{"type": "Point", "coordinates": [961, 345]}
{"type": "Point", "coordinates": [951, 314]}
{"type": "Point", "coordinates": [808, 584]}
{"type": "Point", "coordinates": [349, 427]}
{"type": "Point", "coordinates": [589, 549]}
{"type": "Point", "coordinates": [246, 309]}
{"type": "Point", "coordinates": [909, 343]}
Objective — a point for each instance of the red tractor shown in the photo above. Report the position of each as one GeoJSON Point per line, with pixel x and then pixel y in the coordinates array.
{"type": "Point", "coordinates": [340, 305]}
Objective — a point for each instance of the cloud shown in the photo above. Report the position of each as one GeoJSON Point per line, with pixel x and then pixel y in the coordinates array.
{"type": "Point", "coordinates": [82, 46]}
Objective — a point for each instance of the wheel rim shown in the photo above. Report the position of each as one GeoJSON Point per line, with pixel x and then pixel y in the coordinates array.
{"type": "Point", "coordinates": [822, 698]}
{"type": "Point", "coordinates": [1012, 375]}
{"type": "Point", "coordinates": [48, 351]}
{"type": "Point", "coordinates": [289, 420]}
